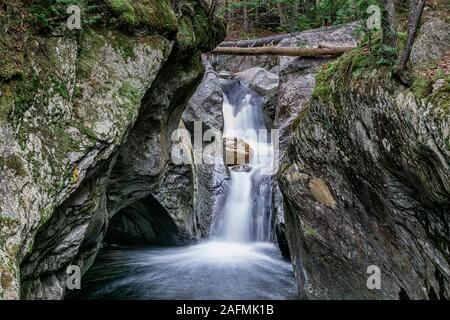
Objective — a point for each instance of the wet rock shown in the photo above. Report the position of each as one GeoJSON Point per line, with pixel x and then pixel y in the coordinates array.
{"type": "Point", "coordinates": [278, 222]}
{"type": "Point", "coordinates": [210, 174]}
{"type": "Point", "coordinates": [235, 64]}
{"type": "Point", "coordinates": [205, 105]}
{"type": "Point", "coordinates": [260, 80]}
{"type": "Point", "coordinates": [86, 147]}
{"type": "Point", "coordinates": [241, 168]}
{"type": "Point", "coordinates": [237, 151]}
{"type": "Point", "coordinates": [263, 83]}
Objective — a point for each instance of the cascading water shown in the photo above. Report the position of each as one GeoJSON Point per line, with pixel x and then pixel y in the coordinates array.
{"type": "Point", "coordinates": [237, 262]}
{"type": "Point", "coordinates": [246, 214]}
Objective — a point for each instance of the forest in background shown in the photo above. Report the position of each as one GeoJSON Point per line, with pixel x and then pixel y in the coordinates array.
{"type": "Point", "coordinates": [255, 18]}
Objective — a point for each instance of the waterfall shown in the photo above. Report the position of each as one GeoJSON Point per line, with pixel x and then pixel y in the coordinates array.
{"type": "Point", "coordinates": [248, 206]}
{"type": "Point", "coordinates": [238, 262]}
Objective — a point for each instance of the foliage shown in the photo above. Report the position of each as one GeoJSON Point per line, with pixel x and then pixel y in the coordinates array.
{"type": "Point", "coordinates": [51, 14]}
{"type": "Point", "coordinates": [295, 15]}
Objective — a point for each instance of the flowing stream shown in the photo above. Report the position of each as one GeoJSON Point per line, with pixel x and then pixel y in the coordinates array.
{"type": "Point", "coordinates": [238, 261]}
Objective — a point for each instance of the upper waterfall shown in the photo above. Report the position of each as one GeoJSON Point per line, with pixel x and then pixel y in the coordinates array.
{"type": "Point", "coordinates": [247, 212]}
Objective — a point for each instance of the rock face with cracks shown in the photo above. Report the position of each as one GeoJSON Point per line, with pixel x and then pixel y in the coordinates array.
{"type": "Point", "coordinates": [85, 124]}
{"type": "Point", "coordinates": [366, 181]}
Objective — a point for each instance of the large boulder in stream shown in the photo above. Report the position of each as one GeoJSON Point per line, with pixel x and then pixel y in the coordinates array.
{"type": "Point", "coordinates": [85, 126]}
{"type": "Point", "coordinates": [237, 151]}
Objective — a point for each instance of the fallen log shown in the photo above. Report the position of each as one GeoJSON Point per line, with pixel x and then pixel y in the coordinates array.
{"type": "Point", "coordinates": [276, 39]}
{"type": "Point", "coordinates": [282, 51]}
{"type": "Point", "coordinates": [261, 42]}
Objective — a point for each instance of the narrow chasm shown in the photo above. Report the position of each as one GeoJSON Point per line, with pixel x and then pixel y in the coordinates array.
{"type": "Point", "coordinates": [154, 250]}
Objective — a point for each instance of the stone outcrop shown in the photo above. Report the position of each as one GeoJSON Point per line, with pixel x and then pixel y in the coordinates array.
{"type": "Point", "coordinates": [366, 181]}
{"type": "Point", "coordinates": [297, 74]}
{"type": "Point", "coordinates": [265, 84]}
{"type": "Point", "coordinates": [434, 31]}
{"type": "Point", "coordinates": [210, 174]}
{"type": "Point", "coordinates": [235, 64]}
{"type": "Point", "coordinates": [85, 126]}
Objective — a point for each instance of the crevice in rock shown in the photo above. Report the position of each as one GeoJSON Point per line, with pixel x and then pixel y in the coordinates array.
{"type": "Point", "coordinates": [402, 295]}
{"type": "Point", "coordinates": [145, 222]}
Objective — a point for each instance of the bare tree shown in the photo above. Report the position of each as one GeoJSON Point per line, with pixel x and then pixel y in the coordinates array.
{"type": "Point", "coordinates": [246, 19]}
{"type": "Point", "coordinates": [213, 9]}
{"type": "Point", "coordinates": [389, 24]}
{"type": "Point", "coordinates": [415, 14]}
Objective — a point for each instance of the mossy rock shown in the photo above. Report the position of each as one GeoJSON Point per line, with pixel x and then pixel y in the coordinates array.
{"type": "Point", "coordinates": [157, 15]}
{"type": "Point", "coordinates": [15, 163]}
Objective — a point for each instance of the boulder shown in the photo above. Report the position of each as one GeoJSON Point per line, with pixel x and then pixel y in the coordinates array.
{"type": "Point", "coordinates": [432, 41]}
{"type": "Point", "coordinates": [265, 84]}
{"type": "Point", "coordinates": [297, 74]}
{"type": "Point", "coordinates": [237, 151]}
{"type": "Point", "coordinates": [205, 105]}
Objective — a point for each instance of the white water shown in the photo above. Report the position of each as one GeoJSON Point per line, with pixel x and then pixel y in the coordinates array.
{"type": "Point", "coordinates": [247, 212]}
{"type": "Point", "coordinates": [234, 264]}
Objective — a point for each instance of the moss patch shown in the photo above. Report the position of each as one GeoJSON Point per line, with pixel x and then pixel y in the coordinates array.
{"type": "Point", "coordinates": [15, 163]}
{"type": "Point", "coordinates": [155, 15]}
{"type": "Point", "coordinates": [131, 98]}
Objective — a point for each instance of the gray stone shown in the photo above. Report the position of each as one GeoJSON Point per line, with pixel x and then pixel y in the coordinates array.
{"type": "Point", "coordinates": [369, 186]}
{"type": "Point", "coordinates": [432, 41]}
{"type": "Point", "coordinates": [297, 74]}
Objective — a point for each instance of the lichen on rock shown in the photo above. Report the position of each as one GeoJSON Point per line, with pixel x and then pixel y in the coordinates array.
{"type": "Point", "coordinates": [66, 109]}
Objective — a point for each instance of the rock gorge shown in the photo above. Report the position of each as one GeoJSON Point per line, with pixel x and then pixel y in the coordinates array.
{"type": "Point", "coordinates": [86, 123]}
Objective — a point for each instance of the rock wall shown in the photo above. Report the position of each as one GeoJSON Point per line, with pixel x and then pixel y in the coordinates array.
{"type": "Point", "coordinates": [297, 75]}
{"type": "Point", "coordinates": [366, 181]}
{"type": "Point", "coordinates": [77, 145]}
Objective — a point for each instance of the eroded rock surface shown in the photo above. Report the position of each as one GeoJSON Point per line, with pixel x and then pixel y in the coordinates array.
{"type": "Point", "coordinates": [297, 74]}
{"type": "Point", "coordinates": [266, 85]}
{"type": "Point", "coordinates": [366, 180]}
{"type": "Point", "coordinates": [77, 145]}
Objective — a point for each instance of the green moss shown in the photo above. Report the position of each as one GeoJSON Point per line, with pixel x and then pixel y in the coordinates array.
{"type": "Point", "coordinates": [301, 116]}
{"type": "Point", "coordinates": [152, 14]}
{"type": "Point", "coordinates": [45, 213]}
{"type": "Point", "coordinates": [25, 91]}
{"type": "Point", "coordinates": [124, 10]}
{"type": "Point", "coordinates": [88, 132]}
{"type": "Point", "coordinates": [8, 222]}
{"type": "Point", "coordinates": [312, 232]}
{"type": "Point", "coordinates": [186, 34]}
{"type": "Point", "coordinates": [62, 90]}
{"type": "Point", "coordinates": [131, 98]}
{"type": "Point", "coordinates": [7, 226]}
{"type": "Point", "coordinates": [91, 44]}
{"type": "Point", "coordinates": [421, 86]}
{"type": "Point", "coordinates": [366, 62]}
{"type": "Point", "coordinates": [441, 99]}
{"type": "Point", "coordinates": [15, 163]}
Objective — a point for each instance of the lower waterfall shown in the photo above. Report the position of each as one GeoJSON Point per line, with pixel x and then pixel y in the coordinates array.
{"type": "Point", "coordinates": [238, 261]}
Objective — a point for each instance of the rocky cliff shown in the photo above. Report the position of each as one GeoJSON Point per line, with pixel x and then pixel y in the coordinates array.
{"type": "Point", "coordinates": [85, 124]}
{"type": "Point", "coordinates": [366, 177]}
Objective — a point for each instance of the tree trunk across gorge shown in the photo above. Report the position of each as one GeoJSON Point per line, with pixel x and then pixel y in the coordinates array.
{"type": "Point", "coordinates": [282, 51]}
